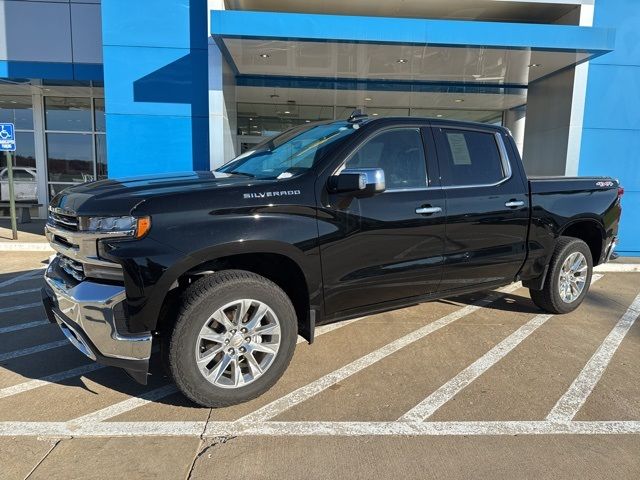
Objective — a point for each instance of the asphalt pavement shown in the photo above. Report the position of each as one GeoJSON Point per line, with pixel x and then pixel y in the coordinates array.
{"type": "Point", "coordinates": [481, 386]}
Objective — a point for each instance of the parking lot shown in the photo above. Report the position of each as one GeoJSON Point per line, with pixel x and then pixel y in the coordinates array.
{"type": "Point", "coordinates": [479, 386]}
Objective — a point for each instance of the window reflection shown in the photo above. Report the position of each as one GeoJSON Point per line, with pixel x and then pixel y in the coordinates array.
{"type": "Point", "coordinates": [68, 114]}
{"type": "Point", "coordinates": [70, 157]}
{"type": "Point", "coordinates": [99, 114]}
{"type": "Point", "coordinates": [101, 157]}
{"type": "Point", "coordinates": [17, 109]}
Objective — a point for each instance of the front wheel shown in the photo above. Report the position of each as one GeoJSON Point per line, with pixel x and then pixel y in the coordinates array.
{"type": "Point", "coordinates": [233, 339]}
{"type": "Point", "coordinates": [568, 277]}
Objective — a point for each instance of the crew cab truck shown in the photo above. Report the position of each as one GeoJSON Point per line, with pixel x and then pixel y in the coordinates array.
{"type": "Point", "coordinates": [325, 222]}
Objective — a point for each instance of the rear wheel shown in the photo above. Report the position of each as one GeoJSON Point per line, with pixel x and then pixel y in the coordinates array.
{"type": "Point", "coordinates": [234, 337]}
{"type": "Point", "coordinates": [568, 277]}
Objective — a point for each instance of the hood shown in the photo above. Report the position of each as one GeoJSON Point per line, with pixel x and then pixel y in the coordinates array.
{"type": "Point", "coordinates": [121, 196]}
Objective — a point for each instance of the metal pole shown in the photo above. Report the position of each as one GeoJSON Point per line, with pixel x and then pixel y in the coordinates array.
{"type": "Point", "coordinates": [12, 196]}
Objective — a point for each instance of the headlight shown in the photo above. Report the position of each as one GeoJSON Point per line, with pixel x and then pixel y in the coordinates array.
{"type": "Point", "coordinates": [134, 226]}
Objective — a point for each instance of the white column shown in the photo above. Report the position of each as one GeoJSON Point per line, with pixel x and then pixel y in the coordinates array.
{"type": "Point", "coordinates": [40, 149]}
{"type": "Point", "coordinates": [515, 120]}
{"type": "Point", "coordinates": [577, 105]}
{"type": "Point", "coordinates": [222, 102]}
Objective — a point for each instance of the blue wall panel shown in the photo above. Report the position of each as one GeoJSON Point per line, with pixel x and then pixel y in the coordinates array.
{"type": "Point", "coordinates": [156, 92]}
{"type": "Point", "coordinates": [611, 134]}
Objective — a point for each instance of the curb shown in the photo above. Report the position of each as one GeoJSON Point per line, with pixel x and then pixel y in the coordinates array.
{"type": "Point", "coordinates": [25, 247]}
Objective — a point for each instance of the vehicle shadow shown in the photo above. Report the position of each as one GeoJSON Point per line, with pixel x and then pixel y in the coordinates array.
{"type": "Point", "coordinates": [95, 382]}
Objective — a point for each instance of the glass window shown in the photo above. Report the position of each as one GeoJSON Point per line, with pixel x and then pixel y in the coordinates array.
{"type": "Point", "coordinates": [17, 109]}
{"type": "Point", "coordinates": [68, 114]}
{"type": "Point", "coordinates": [290, 153]}
{"type": "Point", "coordinates": [271, 119]}
{"type": "Point", "coordinates": [471, 158]}
{"type": "Point", "coordinates": [25, 154]}
{"type": "Point", "coordinates": [101, 157]}
{"type": "Point", "coordinates": [70, 157]}
{"type": "Point", "coordinates": [399, 153]}
{"type": "Point", "coordinates": [493, 117]}
{"type": "Point", "coordinates": [99, 114]}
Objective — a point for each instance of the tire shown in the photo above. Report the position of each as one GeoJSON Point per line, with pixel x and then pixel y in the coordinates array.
{"type": "Point", "coordinates": [204, 303]}
{"type": "Point", "coordinates": [550, 297]}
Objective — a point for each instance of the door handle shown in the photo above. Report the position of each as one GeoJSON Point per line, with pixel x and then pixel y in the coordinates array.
{"type": "Point", "coordinates": [428, 210]}
{"type": "Point", "coordinates": [514, 203]}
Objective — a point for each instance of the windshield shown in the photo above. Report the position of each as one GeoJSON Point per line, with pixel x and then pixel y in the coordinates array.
{"type": "Point", "coordinates": [291, 153]}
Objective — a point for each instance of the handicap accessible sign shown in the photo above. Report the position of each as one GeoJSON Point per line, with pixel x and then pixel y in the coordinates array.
{"type": "Point", "coordinates": [7, 137]}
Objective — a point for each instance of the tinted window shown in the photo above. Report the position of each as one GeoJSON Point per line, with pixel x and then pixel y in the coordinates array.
{"type": "Point", "coordinates": [399, 153]}
{"type": "Point", "coordinates": [470, 158]}
{"type": "Point", "coordinates": [66, 113]}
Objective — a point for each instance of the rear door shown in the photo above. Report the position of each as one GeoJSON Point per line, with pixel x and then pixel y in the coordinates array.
{"type": "Point", "coordinates": [487, 207]}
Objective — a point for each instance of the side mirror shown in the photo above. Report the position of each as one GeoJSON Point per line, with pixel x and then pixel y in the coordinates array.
{"type": "Point", "coordinates": [359, 181]}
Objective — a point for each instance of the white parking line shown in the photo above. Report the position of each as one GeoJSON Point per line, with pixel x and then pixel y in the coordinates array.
{"type": "Point", "coordinates": [126, 405]}
{"type": "Point", "coordinates": [570, 403]}
{"type": "Point", "coordinates": [302, 394]}
{"type": "Point", "coordinates": [19, 292]}
{"type": "Point", "coordinates": [618, 268]}
{"type": "Point", "coordinates": [49, 379]}
{"type": "Point", "coordinates": [60, 376]}
{"type": "Point", "coordinates": [32, 350]}
{"type": "Point", "coordinates": [215, 429]}
{"type": "Point", "coordinates": [330, 328]}
{"type": "Point", "coordinates": [153, 395]}
{"type": "Point", "coordinates": [446, 392]}
{"type": "Point", "coordinates": [24, 326]}
{"type": "Point", "coordinates": [20, 307]}
{"type": "Point", "coordinates": [21, 278]}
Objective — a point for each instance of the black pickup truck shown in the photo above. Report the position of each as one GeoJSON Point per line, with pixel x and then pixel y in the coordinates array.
{"type": "Point", "coordinates": [325, 222]}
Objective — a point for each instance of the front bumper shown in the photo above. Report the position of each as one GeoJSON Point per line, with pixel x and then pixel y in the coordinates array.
{"type": "Point", "coordinates": [92, 315]}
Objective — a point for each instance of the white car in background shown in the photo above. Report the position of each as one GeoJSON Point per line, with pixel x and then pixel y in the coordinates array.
{"type": "Point", "coordinates": [24, 181]}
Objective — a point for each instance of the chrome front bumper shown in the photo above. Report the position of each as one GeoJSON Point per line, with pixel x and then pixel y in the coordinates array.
{"type": "Point", "coordinates": [89, 314]}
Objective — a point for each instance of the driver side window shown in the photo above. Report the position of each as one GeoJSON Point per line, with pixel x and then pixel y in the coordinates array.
{"type": "Point", "coordinates": [399, 152]}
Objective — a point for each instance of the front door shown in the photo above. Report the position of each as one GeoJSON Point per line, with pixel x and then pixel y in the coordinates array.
{"type": "Point", "coordinates": [381, 248]}
{"type": "Point", "coordinates": [487, 207]}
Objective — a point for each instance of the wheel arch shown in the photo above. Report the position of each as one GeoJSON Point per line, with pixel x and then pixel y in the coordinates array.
{"type": "Point", "coordinates": [589, 230]}
{"type": "Point", "coordinates": [282, 263]}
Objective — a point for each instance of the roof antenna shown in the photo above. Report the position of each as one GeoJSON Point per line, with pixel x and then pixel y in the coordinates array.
{"type": "Point", "coordinates": [357, 115]}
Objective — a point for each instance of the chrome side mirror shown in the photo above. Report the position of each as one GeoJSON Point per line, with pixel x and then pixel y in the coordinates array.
{"type": "Point", "coordinates": [359, 181]}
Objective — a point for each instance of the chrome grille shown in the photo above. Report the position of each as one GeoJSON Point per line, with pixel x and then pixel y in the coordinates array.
{"type": "Point", "coordinates": [71, 267]}
{"type": "Point", "coordinates": [64, 221]}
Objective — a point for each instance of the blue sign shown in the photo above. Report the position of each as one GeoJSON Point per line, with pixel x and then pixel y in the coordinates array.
{"type": "Point", "coordinates": [7, 137]}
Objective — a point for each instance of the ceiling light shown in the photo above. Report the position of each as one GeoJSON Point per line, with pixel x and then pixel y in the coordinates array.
{"type": "Point", "coordinates": [402, 60]}
{"type": "Point", "coordinates": [533, 65]}
{"type": "Point", "coordinates": [307, 121]}
{"type": "Point", "coordinates": [254, 126]}
{"type": "Point", "coordinates": [367, 99]}
{"type": "Point", "coordinates": [264, 55]}
{"type": "Point", "coordinates": [458, 100]}
{"type": "Point", "coordinates": [439, 115]}
{"type": "Point", "coordinates": [374, 114]}
{"type": "Point", "coordinates": [287, 112]}
{"type": "Point", "coordinates": [476, 76]}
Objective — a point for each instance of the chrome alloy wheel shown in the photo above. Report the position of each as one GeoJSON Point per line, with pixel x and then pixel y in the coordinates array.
{"type": "Point", "coordinates": [573, 277]}
{"type": "Point", "coordinates": [238, 343]}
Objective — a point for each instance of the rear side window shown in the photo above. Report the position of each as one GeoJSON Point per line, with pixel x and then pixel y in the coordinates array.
{"type": "Point", "coordinates": [470, 157]}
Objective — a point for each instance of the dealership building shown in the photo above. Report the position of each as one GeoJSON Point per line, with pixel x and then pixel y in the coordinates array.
{"type": "Point", "coordinates": [128, 87]}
